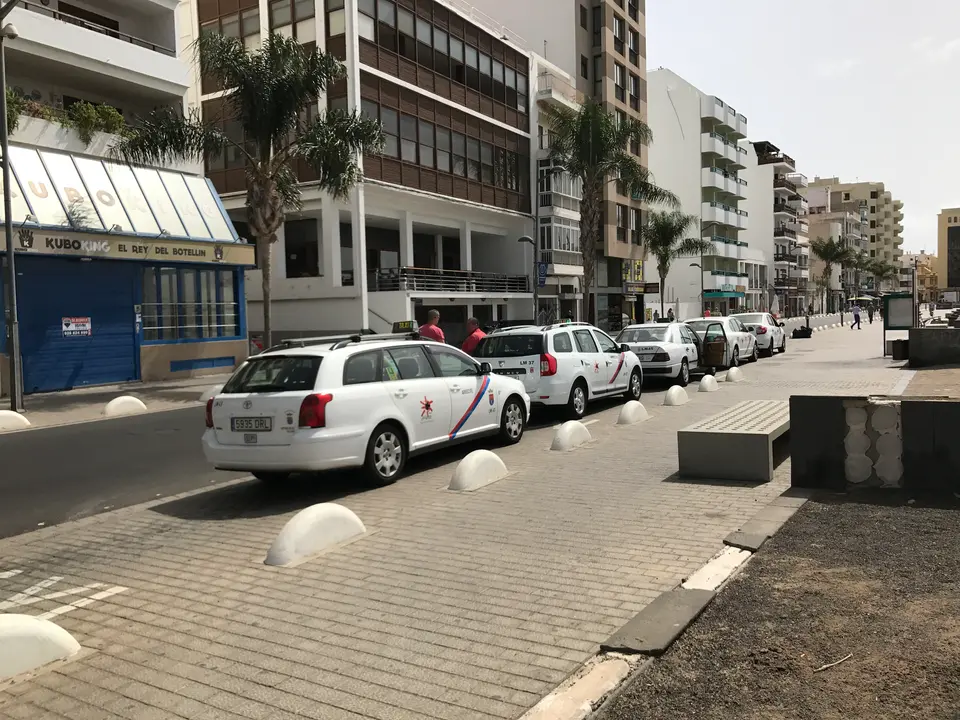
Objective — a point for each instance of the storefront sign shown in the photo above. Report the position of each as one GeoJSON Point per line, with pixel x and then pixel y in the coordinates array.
{"type": "Point", "coordinates": [631, 287]}
{"type": "Point", "coordinates": [651, 288]}
{"type": "Point", "coordinates": [726, 287]}
{"type": "Point", "coordinates": [76, 326]}
{"type": "Point", "coordinates": [741, 288]}
{"type": "Point", "coordinates": [130, 248]}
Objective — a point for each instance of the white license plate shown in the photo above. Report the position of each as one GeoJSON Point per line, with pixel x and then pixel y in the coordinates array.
{"type": "Point", "coordinates": [646, 358]}
{"type": "Point", "coordinates": [250, 438]}
{"type": "Point", "coordinates": [251, 424]}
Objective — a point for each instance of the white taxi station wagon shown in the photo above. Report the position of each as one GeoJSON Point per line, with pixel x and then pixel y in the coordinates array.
{"type": "Point", "coordinates": [367, 401]}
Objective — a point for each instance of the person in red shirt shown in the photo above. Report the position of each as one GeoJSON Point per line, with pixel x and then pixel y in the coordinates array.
{"type": "Point", "coordinates": [474, 336]}
{"type": "Point", "coordinates": [432, 331]}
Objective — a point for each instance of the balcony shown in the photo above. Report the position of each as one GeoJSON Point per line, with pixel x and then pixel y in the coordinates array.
{"type": "Point", "coordinates": [57, 44]}
{"type": "Point", "coordinates": [784, 208]}
{"type": "Point", "coordinates": [714, 109]}
{"type": "Point", "coordinates": [412, 279]}
{"type": "Point", "coordinates": [798, 179]}
{"type": "Point", "coordinates": [780, 160]}
{"type": "Point", "coordinates": [782, 231]}
{"type": "Point", "coordinates": [720, 214]}
{"type": "Point", "coordinates": [713, 144]}
{"type": "Point", "coordinates": [723, 182]}
{"type": "Point", "coordinates": [554, 91]}
{"type": "Point", "coordinates": [780, 182]}
{"type": "Point", "coordinates": [785, 258]}
{"type": "Point", "coordinates": [801, 273]}
{"type": "Point", "coordinates": [723, 280]}
{"type": "Point", "coordinates": [727, 247]}
{"type": "Point", "coordinates": [737, 156]}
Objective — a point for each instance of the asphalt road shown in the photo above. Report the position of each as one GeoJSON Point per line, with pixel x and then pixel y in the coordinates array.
{"type": "Point", "coordinates": [51, 475]}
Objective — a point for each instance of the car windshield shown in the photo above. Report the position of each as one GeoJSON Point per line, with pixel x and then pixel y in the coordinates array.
{"type": "Point", "coordinates": [509, 346]}
{"type": "Point", "coordinates": [701, 325]}
{"type": "Point", "coordinates": [756, 319]}
{"type": "Point", "coordinates": [276, 373]}
{"type": "Point", "coordinates": [643, 334]}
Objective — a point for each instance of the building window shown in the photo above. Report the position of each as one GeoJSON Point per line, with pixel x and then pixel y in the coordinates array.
{"type": "Point", "coordinates": [390, 121]}
{"type": "Point", "coordinates": [635, 48]}
{"type": "Point", "coordinates": [622, 223]}
{"type": "Point", "coordinates": [408, 138]}
{"type": "Point", "coordinates": [636, 221]}
{"type": "Point", "coordinates": [426, 144]}
{"type": "Point", "coordinates": [295, 18]}
{"type": "Point", "coordinates": [634, 91]}
{"type": "Point", "coordinates": [336, 18]}
{"type": "Point", "coordinates": [598, 75]}
{"type": "Point", "coordinates": [584, 17]}
{"type": "Point", "coordinates": [846, 197]}
{"type": "Point", "coordinates": [189, 303]}
{"type": "Point", "coordinates": [584, 67]}
{"type": "Point", "coordinates": [443, 149]}
{"type": "Point", "coordinates": [367, 19]}
{"type": "Point", "coordinates": [874, 194]}
{"type": "Point", "coordinates": [620, 82]}
{"type": "Point", "coordinates": [619, 33]}
{"type": "Point", "coordinates": [597, 25]}
{"type": "Point", "coordinates": [634, 10]}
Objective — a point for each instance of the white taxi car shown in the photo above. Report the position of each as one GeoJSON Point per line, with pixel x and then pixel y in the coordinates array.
{"type": "Point", "coordinates": [741, 344]}
{"type": "Point", "coordinates": [769, 331]}
{"type": "Point", "coordinates": [358, 401]}
{"type": "Point", "coordinates": [565, 364]}
{"type": "Point", "coordinates": [665, 349]}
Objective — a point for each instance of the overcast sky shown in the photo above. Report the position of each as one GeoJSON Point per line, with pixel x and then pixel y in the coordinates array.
{"type": "Point", "coordinates": [859, 89]}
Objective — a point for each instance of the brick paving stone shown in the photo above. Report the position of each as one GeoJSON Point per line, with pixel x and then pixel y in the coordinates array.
{"type": "Point", "coordinates": [458, 606]}
{"type": "Point", "coordinates": [942, 381]}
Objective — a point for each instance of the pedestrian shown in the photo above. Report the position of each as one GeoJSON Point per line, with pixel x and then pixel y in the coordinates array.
{"type": "Point", "coordinates": [656, 316]}
{"type": "Point", "coordinates": [856, 318]}
{"type": "Point", "coordinates": [432, 331]}
{"type": "Point", "coordinates": [670, 316]}
{"type": "Point", "coordinates": [474, 336]}
{"type": "Point", "coordinates": [870, 313]}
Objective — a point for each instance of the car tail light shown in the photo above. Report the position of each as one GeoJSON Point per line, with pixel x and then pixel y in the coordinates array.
{"type": "Point", "coordinates": [313, 410]}
{"type": "Point", "coordinates": [761, 329]}
{"type": "Point", "coordinates": [209, 413]}
{"type": "Point", "coordinates": [661, 356]}
{"type": "Point", "coordinates": [548, 365]}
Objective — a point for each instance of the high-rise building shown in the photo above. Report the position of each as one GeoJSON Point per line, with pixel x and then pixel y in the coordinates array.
{"type": "Point", "coordinates": [947, 264]}
{"type": "Point", "coordinates": [849, 229]}
{"type": "Point", "coordinates": [919, 269]}
{"type": "Point", "coordinates": [601, 43]}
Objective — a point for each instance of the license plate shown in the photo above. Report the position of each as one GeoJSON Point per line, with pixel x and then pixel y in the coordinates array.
{"type": "Point", "coordinates": [646, 358]}
{"type": "Point", "coordinates": [251, 424]}
{"type": "Point", "coordinates": [250, 438]}
{"type": "Point", "coordinates": [512, 371]}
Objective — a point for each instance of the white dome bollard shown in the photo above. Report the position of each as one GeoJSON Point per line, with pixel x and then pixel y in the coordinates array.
{"type": "Point", "coordinates": [734, 375]}
{"type": "Point", "coordinates": [676, 396]}
{"type": "Point", "coordinates": [311, 531]}
{"type": "Point", "coordinates": [632, 412]}
{"type": "Point", "coordinates": [479, 468]}
{"type": "Point", "coordinates": [28, 643]}
{"type": "Point", "coordinates": [124, 405]}
{"type": "Point", "coordinates": [10, 420]}
{"type": "Point", "coordinates": [708, 383]}
{"type": "Point", "coordinates": [210, 392]}
{"type": "Point", "coordinates": [570, 435]}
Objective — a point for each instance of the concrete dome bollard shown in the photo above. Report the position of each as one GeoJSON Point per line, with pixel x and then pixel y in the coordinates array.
{"type": "Point", "coordinates": [676, 396]}
{"type": "Point", "coordinates": [570, 435]}
{"type": "Point", "coordinates": [210, 392]}
{"type": "Point", "coordinates": [632, 412]}
{"type": "Point", "coordinates": [708, 384]}
{"type": "Point", "coordinates": [734, 375]}
{"type": "Point", "coordinates": [27, 643]}
{"type": "Point", "coordinates": [311, 531]}
{"type": "Point", "coordinates": [124, 405]}
{"type": "Point", "coordinates": [479, 468]}
{"type": "Point", "coordinates": [10, 420]}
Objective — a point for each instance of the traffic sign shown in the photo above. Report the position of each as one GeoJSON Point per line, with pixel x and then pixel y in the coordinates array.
{"type": "Point", "coordinates": [541, 274]}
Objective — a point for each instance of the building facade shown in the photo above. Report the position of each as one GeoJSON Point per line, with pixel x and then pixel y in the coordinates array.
{"type": "Point", "coordinates": [947, 265]}
{"type": "Point", "coordinates": [919, 269]}
{"type": "Point", "coordinates": [123, 273]}
{"type": "Point", "coordinates": [850, 230]}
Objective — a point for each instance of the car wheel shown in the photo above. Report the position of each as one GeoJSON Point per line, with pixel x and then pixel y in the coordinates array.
{"type": "Point", "coordinates": [783, 344]}
{"type": "Point", "coordinates": [756, 354]}
{"type": "Point", "coordinates": [635, 387]}
{"type": "Point", "coordinates": [512, 421]}
{"type": "Point", "coordinates": [386, 454]}
{"type": "Point", "coordinates": [577, 405]}
{"type": "Point", "coordinates": [683, 376]}
{"type": "Point", "coordinates": [735, 358]}
{"type": "Point", "coordinates": [271, 478]}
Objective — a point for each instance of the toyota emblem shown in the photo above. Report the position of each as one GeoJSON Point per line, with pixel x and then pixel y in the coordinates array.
{"type": "Point", "coordinates": [501, 363]}
{"type": "Point", "coordinates": [247, 404]}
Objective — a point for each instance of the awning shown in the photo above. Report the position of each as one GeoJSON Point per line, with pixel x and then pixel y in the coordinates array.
{"type": "Point", "coordinates": [715, 294]}
{"type": "Point", "coordinates": [65, 204]}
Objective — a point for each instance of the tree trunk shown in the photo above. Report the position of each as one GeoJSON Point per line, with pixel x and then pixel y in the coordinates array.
{"type": "Point", "coordinates": [265, 254]}
{"type": "Point", "coordinates": [265, 216]}
{"type": "Point", "coordinates": [663, 289]}
{"type": "Point", "coordinates": [590, 234]}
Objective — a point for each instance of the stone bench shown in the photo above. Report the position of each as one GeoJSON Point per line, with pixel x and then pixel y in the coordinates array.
{"type": "Point", "coordinates": [736, 444]}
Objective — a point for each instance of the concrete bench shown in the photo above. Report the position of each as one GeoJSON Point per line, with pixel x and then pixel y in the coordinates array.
{"type": "Point", "coordinates": [736, 444]}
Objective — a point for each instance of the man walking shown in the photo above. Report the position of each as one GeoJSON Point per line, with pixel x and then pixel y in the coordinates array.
{"type": "Point", "coordinates": [474, 336]}
{"type": "Point", "coordinates": [432, 331]}
{"type": "Point", "coordinates": [856, 318]}
{"type": "Point", "coordinates": [870, 313]}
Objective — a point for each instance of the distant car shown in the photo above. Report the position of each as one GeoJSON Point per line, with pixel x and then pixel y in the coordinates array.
{"type": "Point", "coordinates": [664, 349]}
{"type": "Point", "coordinates": [564, 364]}
{"type": "Point", "coordinates": [741, 343]}
{"type": "Point", "coordinates": [356, 401]}
{"type": "Point", "coordinates": [768, 330]}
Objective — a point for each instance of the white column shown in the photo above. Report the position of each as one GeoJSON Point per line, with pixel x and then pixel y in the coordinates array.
{"type": "Point", "coordinates": [438, 245]}
{"type": "Point", "coordinates": [278, 270]}
{"type": "Point", "coordinates": [359, 236]}
{"type": "Point", "coordinates": [330, 244]}
{"type": "Point", "coordinates": [406, 240]}
{"type": "Point", "coordinates": [466, 247]}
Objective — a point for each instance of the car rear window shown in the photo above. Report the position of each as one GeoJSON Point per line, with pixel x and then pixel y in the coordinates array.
{"type": "Point", "coordinates": [650, 334]}
{"type": "Point", "coordinates": [507, 346]}
{"type": "Point", "coordinates": [753, 319]}
{"type": "Point", "coordinates": [276, 373]}
{"type": "Point", "coordinates": [701, 325]}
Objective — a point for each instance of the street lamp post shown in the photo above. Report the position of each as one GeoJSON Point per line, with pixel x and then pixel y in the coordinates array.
{"type": "Point", "coordinates": [9, 32]}
{"type": "Point", "coordinates": [703, 301]}
{"type": "Point", "coordinates": [536, 277]}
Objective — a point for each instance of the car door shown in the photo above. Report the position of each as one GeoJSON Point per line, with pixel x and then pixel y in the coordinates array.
{"type": "Point", "coordinates": [716, 348]}
{"type": "Point", "coordinates": [689, 343]}
{"type": "Point", "coordinates": [473, 404]}
{"type": "Point", "coordinates": [618, 375]}
{"type": "Point", "coordinates": [745, 338]}
{"type": "Point", "coordinates": [421, 397]}
{"type": "Point", "coordinates": [777, 331]}
{"type": "Point", "coordinates": [594, 363]}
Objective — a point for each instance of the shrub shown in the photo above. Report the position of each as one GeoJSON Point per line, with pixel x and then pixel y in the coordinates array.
{"type": "Point", "coordinates": [84, 119]}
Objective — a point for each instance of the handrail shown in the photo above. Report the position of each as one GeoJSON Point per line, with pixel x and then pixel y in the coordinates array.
{"type": "Point", "coordinates": [434, 279]}
{"type": "Point", "coordinates": [72, 20]}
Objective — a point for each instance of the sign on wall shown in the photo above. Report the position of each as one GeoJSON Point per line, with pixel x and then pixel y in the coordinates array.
{"type": "Point", "coordinates": [76, 326]}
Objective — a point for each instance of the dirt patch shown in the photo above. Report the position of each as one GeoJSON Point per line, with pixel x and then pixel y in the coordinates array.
{"type": "Point", "coordinates": [879, 581]}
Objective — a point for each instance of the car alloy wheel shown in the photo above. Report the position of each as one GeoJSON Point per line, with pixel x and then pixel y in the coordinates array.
{"type": "Point", "coordinates": [735, 360]}
{"type": "Point", "coordinates": [783, 344]}
{"type": "Point", "coordinates": [756, 353]}
{"type": "Point", "coordinates": [684, 375]}
{"type": "Point", "coordinates": [387, 454]}
{"type": "Point", "coordinates": [578, 400]}
{"type": "Point", "coordinates": [513, 422]}
{"type": "Point", "coordinates": [636, 385]}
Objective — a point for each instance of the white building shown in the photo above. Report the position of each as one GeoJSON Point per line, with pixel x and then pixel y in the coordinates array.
{"type": "Point", "coordinates": [699, 152]}
{"type": "Point", "coordinates": [847, 227]}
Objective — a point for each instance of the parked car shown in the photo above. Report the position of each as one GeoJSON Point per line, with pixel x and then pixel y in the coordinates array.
{"type": "Point", "coordinates": [665, 349]}
{"type": "Point", "coordinates": [768, 330]}
{"type": "Point", "coordinates": [741, 344]}
{"type": "Point", "coordinates": [366, 401]}
{"type": "Point", "coordinates": [564, 364]}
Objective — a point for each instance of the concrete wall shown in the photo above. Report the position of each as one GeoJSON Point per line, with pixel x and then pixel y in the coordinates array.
{"type": "Point", "coordinates": [155, 359]}
{"type": "Point", "coordinates": [759, 203]}
{"type": "Point", "coordinates": [934, 346]}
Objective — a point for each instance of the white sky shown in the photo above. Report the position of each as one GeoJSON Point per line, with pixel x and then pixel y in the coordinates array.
{"type": "Point", "coordinates": [860, 89]}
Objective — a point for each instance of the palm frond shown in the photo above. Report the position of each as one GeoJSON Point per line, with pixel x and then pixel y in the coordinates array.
{"type": "Point", "coordinates": [166, 135]}
{"type": "Point", "coordinates": [639, 182]}
{"type": "Point", "coordinates": [692, 246]}
{"type": "Point", "coordinates": [332, 144]}
{"type": "Point", "coordinates": [222, 60]}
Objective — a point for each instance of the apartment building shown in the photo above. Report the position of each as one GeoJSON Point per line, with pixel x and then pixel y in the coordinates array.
{"type": "Point", "coordinates": [947, 265]}
{"type": "Point", "coordinates": [123, 273]}
{"type": "Point", "coordinates": [700, 153]}
{"type": "Point", "coordinates": [851, 230]}
{"type": "Point", "coordinates": [883, 215]}
{"type": "Point", "coordinates": [602, 44]}
{"type": "Point", "coordinates": [919, 269]}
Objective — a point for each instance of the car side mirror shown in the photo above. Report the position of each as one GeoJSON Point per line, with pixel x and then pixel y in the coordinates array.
{"type": "Point", "coordinates": [485, 368]}
{"type": "Point", "coordinates": [782, 324]}
{"type": "Point", "coordinates": [624, 347]}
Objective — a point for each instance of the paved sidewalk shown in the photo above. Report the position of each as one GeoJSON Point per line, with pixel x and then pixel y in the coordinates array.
{"type": "Point", "coordinates": [455, 606]}
{"type": "Point", "coordinates": [938, 381]}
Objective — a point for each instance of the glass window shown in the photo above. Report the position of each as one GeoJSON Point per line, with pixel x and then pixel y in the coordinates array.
{"type": "Point", "coordinates": [405, 22]}
{"type": "Point", "coordinates": [336, 23]}
{"type": "Point", "coordinates": [361, 369]}
{"type": "Point", "coordinates": [486, 163]}
{"type": "Point", "coordinates": [303, 9]}
{"type": "Point", "coordinates": [185, 206]}
{"type": "Point", "coordinates": [41, 194]}
{"type": "Point", "coordinates": [423, 31]}
{"type": "Point", "coordinates": [366, 27]}
{"type": "Point", "coordinates": [227, 305]}
{"type": "Point", "coordinates": [80, 209]}
{"type": "Point", "coordinates": [131, 196]}
{"type": "Point", "coordinates": [390, 121]}
{"type": "Point", "coordinates": [408, 138]}
{"type": "Point", "coordinates": [473, 158]}
{"type": "Point", "coordinates": [453, 364]}
{"type": "Point", "coordinates": [426, 144]}
{"type": "Point", "coordinates": [606, 344]}
{"type": "Point", "coordinates": [562, 343]}
{"type": "Point", "coordinates": [509, 346]}
{"type": "Point", "coordinates": [276, 373]}
{"type": "Point", "coordinates": [388, 12]}
{"type": "Point", "coordinates": [459, 154]}
{"type": "Point", "coordinates": [585, 342]}
{"type": "Point", "coordinates": [189, 317]}
{"type": "Point", "coordinates": [150, 308]}
{"type": "Point", "coordinates": [281, 13]}
{"type": "Point", "coordinates": [406, 363]}
{"type": "Point", "coordinates": [443, 149]}
{"type": "Point", "coordinates": [230, 26]}
{"type": "Point", "coordinates": [169, 304]}
{"type": "Point", "coordinates": [368, 7]}
{"type": "Point", "coordinates": [163, 208]}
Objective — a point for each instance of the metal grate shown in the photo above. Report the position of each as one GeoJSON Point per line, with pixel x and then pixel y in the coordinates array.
{"type": "Point", "coordinates": [752, 416]}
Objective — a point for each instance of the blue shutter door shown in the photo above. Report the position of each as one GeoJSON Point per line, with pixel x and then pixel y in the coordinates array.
{"type": "Point", "coordinates": [51, 289]}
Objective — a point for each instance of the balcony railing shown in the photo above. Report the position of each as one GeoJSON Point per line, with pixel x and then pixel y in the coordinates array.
{"type": "Point", "coordinates": [784, 232]}
{"type": "Point", "coordinates": [71, 20]}
{"type": "Point", "coordinates": [784, 208]}
{"type": "Point", "coordinates": [434, 280]}
{"type": "Point", "coordinates": [548, 83]}
{"type": "Point", "coordinates": [771, 158]}
{"type": "Point", "coordinates": [782, 182]}
{"type": "Point", "coordinates": [784, 257]}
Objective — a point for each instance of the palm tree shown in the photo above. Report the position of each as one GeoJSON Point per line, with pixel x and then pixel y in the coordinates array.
{"type": "Point", "coordinates": [882, 270]}
{"type": "Point", "coordinates": [272, 92]}
{"type": "Point", "coordinates": [860, 263]}
{"type": "Point", "coordinates": [830, 252]}
{"type": "Point", "coordinates": [591, 145]}
{"type": "Point", "coordinates": [665, 237]}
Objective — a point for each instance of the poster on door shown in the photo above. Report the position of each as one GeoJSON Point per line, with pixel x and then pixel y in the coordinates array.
{"type": "Point", "coordinates": [76, 326]}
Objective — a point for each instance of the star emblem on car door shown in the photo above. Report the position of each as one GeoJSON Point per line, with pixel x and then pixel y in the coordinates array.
{"type": "Point", "coordinates": [596, 367]}
{"type": "Point", "coordinates": [426, 408]}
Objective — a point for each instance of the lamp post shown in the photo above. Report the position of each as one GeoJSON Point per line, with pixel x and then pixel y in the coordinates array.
{"type": "Point", "coordinates": [703, 301]}
{"type": "Point", "coordinates": [9, 32]}
{"type": "Point", "coordinates": [536, 277]}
